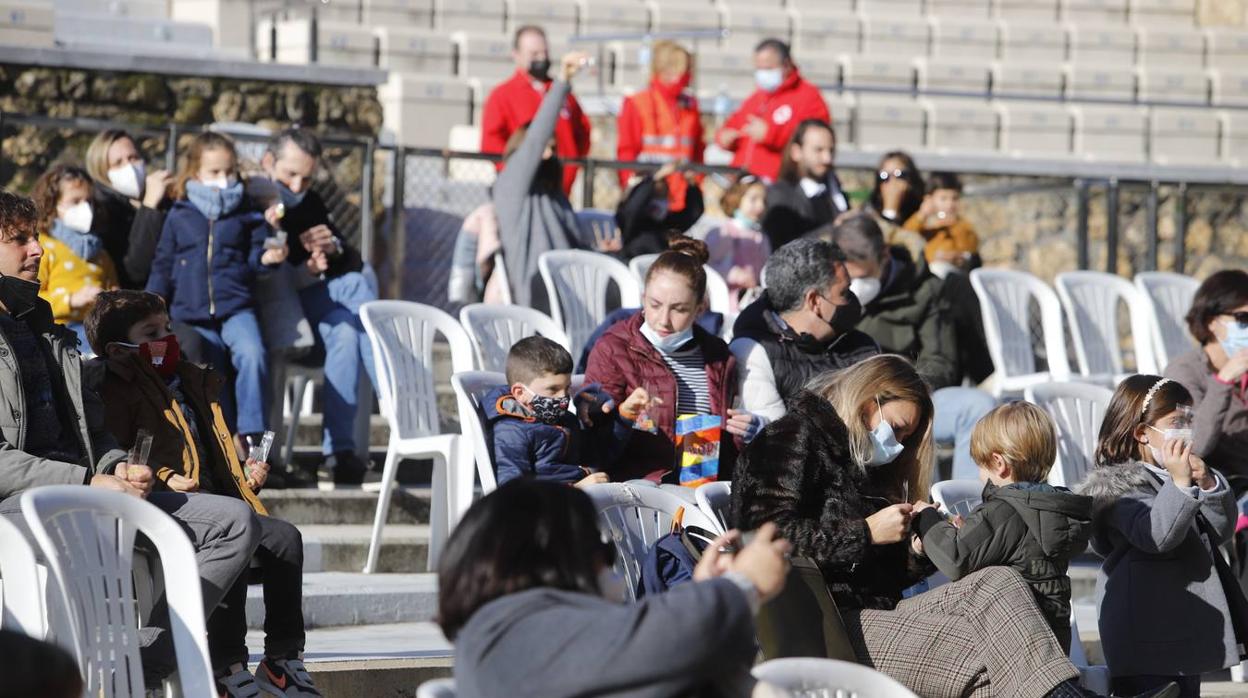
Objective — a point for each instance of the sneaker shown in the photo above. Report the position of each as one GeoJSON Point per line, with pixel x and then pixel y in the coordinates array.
{"type": "Point", "coordinates": [239, 684]}
{"type": "Point", "coordinates": [348, 468]}
{"type": "Point", "coordinates": [286, 678]}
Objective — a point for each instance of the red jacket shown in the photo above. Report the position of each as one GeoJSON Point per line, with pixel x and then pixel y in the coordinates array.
{"type": "Point", "coordinates": [623, 360]}
{"type": "Point", "coordinates": [795, 101]}
{"type": "Point", "coordinates": [630, 126]}
{"type": "Point", "coordinates": [514, 103]}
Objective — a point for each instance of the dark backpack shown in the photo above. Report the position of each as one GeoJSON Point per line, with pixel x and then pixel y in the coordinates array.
{"type": "Point", "coordinates": [672, 559]}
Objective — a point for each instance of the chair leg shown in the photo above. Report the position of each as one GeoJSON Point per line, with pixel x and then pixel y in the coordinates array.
{"type": "Point", "coordinates": [464, 476]}
{"type": "Point", "coordinates": [292, 431]}
{"type": "Point", "coordinates": [440, 508]}
{"type": "Point", "coordinates": [383, 508]}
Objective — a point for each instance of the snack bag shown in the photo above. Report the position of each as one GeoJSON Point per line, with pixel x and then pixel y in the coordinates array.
{"type": "Point", "coordinates": [697, 442]}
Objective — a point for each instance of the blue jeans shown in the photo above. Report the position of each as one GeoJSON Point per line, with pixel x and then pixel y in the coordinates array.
{"type": "Point", "coordinates": [81, 330]}
{"type": "Point", "coordinates": [957, 412]}
{"type": "Point", "coordinates": [238, 339]}
{"type": "Point", "coordinates": [333, 308]}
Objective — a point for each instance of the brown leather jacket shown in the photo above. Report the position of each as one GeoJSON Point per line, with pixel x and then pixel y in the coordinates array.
{"type": "Point", "coordinates": [137, 398]}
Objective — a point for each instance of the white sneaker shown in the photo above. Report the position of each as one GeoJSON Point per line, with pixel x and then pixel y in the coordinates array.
{"type": "Point", "coordinates": [286, 678]}
{"type": "Point", "coordinates": [240, 684]}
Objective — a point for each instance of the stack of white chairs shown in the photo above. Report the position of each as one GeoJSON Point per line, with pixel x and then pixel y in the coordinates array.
{"type": "Point", "coordinates": [1091, 300]}
{"type": "Point", "coordinates": [1005, 297]}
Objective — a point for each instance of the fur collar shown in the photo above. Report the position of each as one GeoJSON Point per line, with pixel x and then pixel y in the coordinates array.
{"type": "Point", "coordinates": [1106, 484]}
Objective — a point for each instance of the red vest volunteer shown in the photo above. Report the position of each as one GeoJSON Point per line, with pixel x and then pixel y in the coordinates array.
{"type": "Point", "coordinates": [783, 108]}
{"type": "Point", "coordinates": [661, 125]}
{"type": "Point", "coordinates": [514, 103]}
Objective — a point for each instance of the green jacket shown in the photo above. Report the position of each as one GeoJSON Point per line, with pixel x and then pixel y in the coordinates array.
{"type": "Point", "coordinates": [911, 317]}
{"type": "Point", "coordinates": [20, 471]}
{"type": "Point", "coordinates": [1033, 528]}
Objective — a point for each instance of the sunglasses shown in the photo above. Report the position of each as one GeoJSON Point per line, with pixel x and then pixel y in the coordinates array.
{"type": "Point", "coordinates": [1241, 318]}
{"type": "Point", "coordinates": [886, 175]}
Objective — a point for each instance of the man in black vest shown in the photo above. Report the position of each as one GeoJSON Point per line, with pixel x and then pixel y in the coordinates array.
{"type": "Point", "coordinates": [808, 193]}
{"type": "Point", "coordinates": [800, 327]}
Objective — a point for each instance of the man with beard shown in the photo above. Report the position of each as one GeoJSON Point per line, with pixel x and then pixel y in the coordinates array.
{"type": "Point", "coordinates": [808, 194]}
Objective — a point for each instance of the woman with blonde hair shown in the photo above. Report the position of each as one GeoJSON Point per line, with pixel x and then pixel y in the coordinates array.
{"type": "Point", "coordinates": [130, 201]}
{"type": "Point", "coordinates": [838, 475]}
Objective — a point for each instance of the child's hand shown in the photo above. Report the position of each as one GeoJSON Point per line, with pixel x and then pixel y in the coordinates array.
{"type": "Point", "coordinates": [1200, 472]}
{"type": "Point", "coordinates": [274, 215]}
{"type": "Point", "coordinates": [139, 476]}
{"type": "Point", "coordinates": [744, 424]}
{"type": "Point", "coordinates": [636, 403]}
{"type": "Point", "coordinates": [920, 506]}
{"type": "Point", "coordinates": [177, 483]}
{"type": "Point", "coordinates": [84, 297]}
{"type": "Point", "coordinates": [592, 479]}
{"type": "Point", "coordinates": [257, 473]}
{"type": "Point", "coordinates": [317, 263]}
{"type": "Point", "coordinates": [1176, 457]}
{"type": "Point", "coordinates": [916, 544]}
{"type": "Point", "coordinates": [275, 255]}
{"type": "Point", "coordinates": [157, 185]}
{"type": "Point", "coordinates": [957, 520]}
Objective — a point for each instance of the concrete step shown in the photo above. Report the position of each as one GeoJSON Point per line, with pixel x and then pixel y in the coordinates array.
{"type": "Point", "coordinates": [344, 548]}
{"type": "Point", "coordinates": [339, 599]}
{"type": "Point", "coordinates": [408, 505]}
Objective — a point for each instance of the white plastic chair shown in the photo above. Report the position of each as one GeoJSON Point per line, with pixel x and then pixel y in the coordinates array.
{"type": "Point", "coordinates": [494, 328]}
{"type": "Point", "coordinates": [635, 518]}
{"type": "Point", "coordinates": [87, 537]}
{"type": "Point", "coordinates": [504, 280]}
{"type": "Point", "coordinates": [805, 676]}
{"type": "Point", "coordinates": [470, 389]}
{"type": "Point", "coordinates": [958, 496]}
{"type": "Point", "coordinates": [715, 499]}
{"type": "Point", "coordinates": [1091, 300]}
{"type": "Point", "coordinates": [716, 286]}
{"type": "Point", "coordinates": [21, 595]}
{"type": "Point", "coordinates": [1168, 297]}
{"type": "Point", "coordinates": [1005, 297]}
{"type": "Point", "coordinates": [1077, 409]}
{"type": "Point", "coordinates": [437, 688]}
{"type": "Point", "coordinates": [402, 335]}
{"type": "Point", "coordinates": [1094, 677]}
{"type": "Point", "coordinates": [576, 284]}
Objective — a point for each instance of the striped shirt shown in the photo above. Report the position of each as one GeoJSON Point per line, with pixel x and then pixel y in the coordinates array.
{"type": "Point", "coordinates": [693, 393]}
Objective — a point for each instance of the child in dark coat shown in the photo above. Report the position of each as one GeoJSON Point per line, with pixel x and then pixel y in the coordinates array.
{"type": "Point", "coordinates": [1024, 523]}
{"type": "Point", "coordinates": [535, 435]}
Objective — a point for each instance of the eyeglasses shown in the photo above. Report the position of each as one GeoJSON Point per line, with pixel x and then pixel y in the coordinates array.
{"type": "Point", "coordinates": [886, 175]}
{"type": "Point", "coordinates": [1241, 318]}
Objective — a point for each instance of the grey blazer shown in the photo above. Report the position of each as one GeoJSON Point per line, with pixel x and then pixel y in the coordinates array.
{"type": "Point", "coordinates": [1161, 605]}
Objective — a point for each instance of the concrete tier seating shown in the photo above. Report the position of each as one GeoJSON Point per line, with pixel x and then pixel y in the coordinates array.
{"type": "Point", "coordinates": [1028, 78]}
{"type": "Point", "coordinates": [1035, 11]}
{"type": "Point", "coordinates": [686, 15]}
{"type": "Point", "coordinates": [826, 30]}
{"type": "Point", "coordinates": [887, 8]}
{"type": "Point", "coordinates": [1226, 48]}
{"type": "Point", "coordinates": [1086, 11]}
{"type": "Point", "coordinates": [485, 56]}
{"type": "Point", "coordinates": [959, 9]}
{"type": "Point", "coordinates": [1032, 42]}
{"type": "Point", "coordinates": [961, 126]}
{"type": "Point", "coordinates": [883, 123]}
{"type": "Point", "coordinates": [750, 23]}
{"type": "Point", "coordinates": [1103, 45]}
{"type": "Point", "coordinates": [560, 18]}
{"type": "Point", "coordinates": [1035, 129]}
{"type": "Point", "coordinates": [1162, 13]}
{"type": "Point", "coordinates": [26, 23]}
{"type": "Point", "coordinates": [426, 51]}
{"type": "Point", "coordinates": [1173, 84]}
{"type": "Point", "coordinates": [956, 74]}
{"type": "Point", "coordinates": [1228, 87]}
{"type": "Point", "coordinates": [608, 16]}
{"type": "Point", "coordinates": [483, 16]}
{"type": "Point", "coordinates": [895, 34]}
{"type": "Point", "coordinates": [1171, 47]}
{"type": "Point", "coordinates": [725, 69]}
{"type": "Point", "coordinates": [1235, 136]}
{"type": "Point", "coordinates": [421, 110]}
{"type": "Point", "coordinates": [1114, 134]}
{"type": "Point", "coordinates": [399, 13]}
{"type": "Point", "coordinates": [336, 43]}
{"type": "Point", "coordinates": [963, 39]}
{"type": "Point", "coordinates": [1184, 136]}
{"type": "Point", "coordinates": [877, 70]}
{"type": "Point", "coordinates": [137, 35]}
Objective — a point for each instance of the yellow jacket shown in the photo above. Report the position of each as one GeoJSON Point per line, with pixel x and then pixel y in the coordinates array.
{"type": "Point", "coordinates": [62, 273]}
{"type": "Point", "coordinates": [958, 236]}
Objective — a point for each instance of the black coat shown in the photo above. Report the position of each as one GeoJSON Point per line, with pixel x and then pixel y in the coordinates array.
{"type": "Point", "coordinates": [640, 232]}
{"type": "Point", "coordinates": [1034, 528]}
{"type": "Point", "coordinates": [790, 214]}
{"type": "Point", "coordinates": [310, 213]}
{"type": "Point", "coordinates": [130, 234]}
{"type": "Point", "coordinates": [799, 475]}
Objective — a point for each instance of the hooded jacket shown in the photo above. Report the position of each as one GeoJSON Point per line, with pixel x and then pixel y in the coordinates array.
{"type": "Point", "coordinates": [911, 317]}
{"type": "Point", "coordinates": [799, 474]}
{"type": "Point", "coordinates": [1161, 605]}
{"type": "Point", "coordinates": [523, 446]}
{"type": "Point", "coordinates": [640, 231]}
{"type": "Point", "coordinates": [1033, 528]}
{"type": "Point", "coordinates": [795, 101]}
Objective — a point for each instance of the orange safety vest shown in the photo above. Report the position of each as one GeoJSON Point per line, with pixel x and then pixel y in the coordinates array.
{"type": "Point", "coordinates": [667, 138]}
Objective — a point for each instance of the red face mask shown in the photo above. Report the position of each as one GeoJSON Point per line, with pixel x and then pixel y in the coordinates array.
{"type": "Point", "coordinates": [163, 354]}
{"type": "Point", "coordinates": [673, 89]}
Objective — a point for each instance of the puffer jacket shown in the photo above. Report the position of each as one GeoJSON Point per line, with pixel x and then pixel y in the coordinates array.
{"type": "Point", "coordinates": [562, 452]}
{"type": "Point", "coordinates": [20, 471]}
{"type": "Point", "coordinates": [624, 360]}
{"type": "Point", "coordinates": [799, 474]}
{"type": "Point", "coordinates": [206, 270]}
{"type": "Point", "coordinates": [1034, 528]}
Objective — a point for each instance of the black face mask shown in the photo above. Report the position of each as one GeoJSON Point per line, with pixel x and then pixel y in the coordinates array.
{"type": "Point", "coordinates": [845, 319]}
{"type": "Point", "coordinates": [539, 68]}
{"type": "Point", "coordinates": [18, 295]}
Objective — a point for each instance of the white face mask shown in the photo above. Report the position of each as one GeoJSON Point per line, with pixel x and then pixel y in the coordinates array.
{"type": "Point", "coordinates": [671, 342]}
{"type": "Point", "coordinates": [884, 445]}
{"type": "Point", "coordinates": [611, 586]}
{"type": "Point", "coordinates": [128, 180]}
{"type": "Point", "coordinates": [769, 80]}
{"type": "Point", "coordinates": [1168, 435]}
{"type": "Point", "coordinates": [218, 182]}
{"type": "Point", "coordinates": [866, 289]}
{"type": "Point", "coordinates": [78, 217]}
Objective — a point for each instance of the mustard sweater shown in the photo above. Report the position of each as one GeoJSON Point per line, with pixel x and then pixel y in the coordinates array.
{"type": "Point", "coordinates": [62, 273]}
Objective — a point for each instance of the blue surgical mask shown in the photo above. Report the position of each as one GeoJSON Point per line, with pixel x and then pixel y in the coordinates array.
{"type": "Point", "coordinates": [769, 80]}
{"type": "Point", "coordinates": [1236, 337]}
{"type": "Point", "coordinates": [671, 342]}
{"type": "Point", "coordinates": [884, 445]}
{"type": "Point", "coordinates": [745, 221]}
{"type": "Point", "coordinates": [289, 198]}
{"type": "Point", "coordinates": [215, 201]}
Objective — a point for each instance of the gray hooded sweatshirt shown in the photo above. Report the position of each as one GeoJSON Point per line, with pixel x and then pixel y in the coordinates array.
{"type": "Point", "coordinates": [533, 217]}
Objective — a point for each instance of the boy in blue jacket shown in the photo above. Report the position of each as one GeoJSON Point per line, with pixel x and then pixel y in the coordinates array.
{"type": "Point", "coordinates": [535, 435]}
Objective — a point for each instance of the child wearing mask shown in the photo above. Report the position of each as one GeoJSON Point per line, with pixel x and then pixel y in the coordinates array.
{"type": "Point", "coordinates": [75, 266]}
{"type": "Point", "coordinates": [535, 435]}
{"type": "Point", "coordinates": [1158, 510]}
{"type": "Point", "coordinates": [211, 249]}
{"type": "Point", "coordinates": [739, 248]}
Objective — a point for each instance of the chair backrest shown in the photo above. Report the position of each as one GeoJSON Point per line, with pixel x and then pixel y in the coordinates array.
{"type": "Point", "coordinates": [1168, 297]}
{"type": "Point", "coordinates": [715, 499]}
{"type": "Point", "coordinates": [21, 596]}
{"type": "Point", "coordinates": [1005, 297]}
{"type": "Point", "coordinates": [437, 688]}
{"type": "Point", "coordinates": [504, 280]}
{"type": "Point", "coordinates": [716, 285]}
{"type": "Point", "coordinates": [1091, 300]}
{"type": "Point", "coordinates": [831, 677]}
{"type": "Point", "coordinates": [402, 334]}
{"type": "Point", "coordinates": [635, 518]}
{"type": "Point", "coordinates": [494, 328]}
{"type": "Point", "coordinates": [576, 283]}
{"type": "Point", "coordinates": [1078, 410]}
{"type": "Point", "coordinates": [958, 496]}
{"type": "Point", "coordinates": [470, 390]}
{"type": "Point", "coordinates": [87, 537]}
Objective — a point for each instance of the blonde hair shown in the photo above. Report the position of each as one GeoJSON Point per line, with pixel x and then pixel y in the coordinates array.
{"type": "Point", "coordinates": [1022, 434]}
{"type": "Point", "coordinates": [97, 153]}
{"type": "Point", "coordinates": [664, 54]}
{"type": "Point", "coordinates": [886, 378]}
